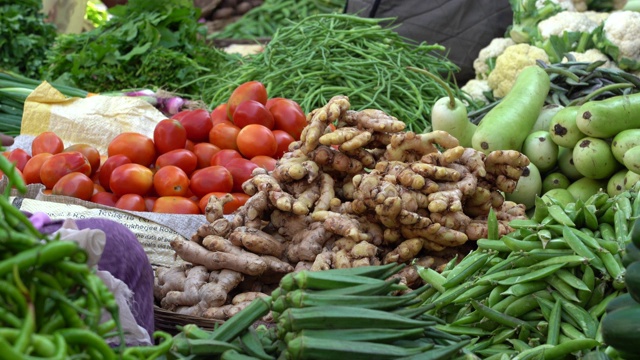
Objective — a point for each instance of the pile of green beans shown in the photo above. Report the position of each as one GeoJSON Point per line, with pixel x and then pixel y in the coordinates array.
{"type": "Point", "coordinates": [543, 288]}
{"type": "Point", "coordinates": [325, 55]}
{"type": "Point", "coordinates": [333, 314]}
{"type": "Point", "coordinates": [52, 302]}
{"type": "Point", "coordinates": [263, 21]}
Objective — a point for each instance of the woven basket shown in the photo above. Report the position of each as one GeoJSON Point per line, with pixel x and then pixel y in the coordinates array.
{"type": "Point", "coordinates": [168, 321]}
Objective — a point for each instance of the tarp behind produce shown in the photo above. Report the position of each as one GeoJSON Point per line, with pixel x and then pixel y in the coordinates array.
{"type": "Point", "coordinates": [464, 27]}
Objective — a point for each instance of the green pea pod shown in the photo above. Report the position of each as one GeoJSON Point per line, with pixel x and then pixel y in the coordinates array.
{"type": "Point", "coordinates": [466, 271]}
{"type": "Point", "coordinates": [558, 214]}
{"type": "Point", "coordinates": [555, 319]}
{"type": "Point", "coordinates": [560, 351]}
{"type": "Point", "coordinates": [572, 280]}
{"type": "Point", "coordinates": [587, 323]}
{"type": "Point", "coordinates": [532, 275]}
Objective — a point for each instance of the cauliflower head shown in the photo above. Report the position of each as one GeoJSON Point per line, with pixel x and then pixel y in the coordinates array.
{"type": "Point", "coordinates": [476, 88]}
{"type": "Point", "coordinates": [592, 55]}
{"type": "Point", "coordinates": [622, 39]}
{"type": "Point", "coordinates": [566, 21]}
{"type": "Point", "coordinates": [510, 63]}
{"type": "Point", "coordinates": [491, 51]}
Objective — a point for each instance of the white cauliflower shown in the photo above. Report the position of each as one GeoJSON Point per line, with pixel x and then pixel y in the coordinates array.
{"type": "Point", "coordinates": [495, 48]}
{"type": "Point", "coordinates": [597, 16]}
{"type": "Point", "coordinates": [510, 63]}
{"type": "Point", "coordinates": [592, 55]}
{"type": "Point", "coordinates": [476, 88]}
{"type": "Point", "coordinates": [566, 21]}
{"type": "Point", "coordinates": [622, 29]}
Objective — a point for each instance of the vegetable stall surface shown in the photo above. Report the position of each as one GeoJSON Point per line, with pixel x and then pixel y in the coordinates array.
{"type": "Point", "coordinates": [312, 60]}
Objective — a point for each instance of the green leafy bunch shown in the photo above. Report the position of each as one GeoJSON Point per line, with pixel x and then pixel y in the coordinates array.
{"type": "Point", "coordinates": [24, 37]}
{"type": "Point", "coordinates": [147, 43]}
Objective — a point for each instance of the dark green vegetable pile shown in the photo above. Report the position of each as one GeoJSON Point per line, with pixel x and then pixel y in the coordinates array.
{"type": "Point", "coordinates": [337, 54]}
{"type": "Point", "coordinates": [147, 43]}
{"type": "Point", "coordinates": [24, 37]}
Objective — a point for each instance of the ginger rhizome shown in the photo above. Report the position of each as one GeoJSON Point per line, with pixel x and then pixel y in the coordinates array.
{"type": "Point", "coordinates": [355, 190]}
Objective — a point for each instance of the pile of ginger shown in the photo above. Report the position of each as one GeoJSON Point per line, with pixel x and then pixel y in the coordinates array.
{"type": "Point", "coordinates": [366, 193]}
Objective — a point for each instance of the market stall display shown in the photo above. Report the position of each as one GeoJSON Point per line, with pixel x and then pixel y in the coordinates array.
{"type": "Point", "coordinates": [334, 195]}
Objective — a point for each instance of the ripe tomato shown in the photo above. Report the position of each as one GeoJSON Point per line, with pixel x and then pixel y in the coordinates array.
{"type": "Point", "coordinates": [180, 114]}
{"type": "Point", "coordinates": [223, 156]}
{"type": "Point", "coordinates": [19, 157]}
{"type": "Point", "coordinates": [182, 158]}
{"type": "Point", "coordinates": [91, 153]}
{"type": "Point", "coordinates": [288, 116]}
{"type": "Point", "coordinates": [47, 142]}
{"type": "Point", "coordinates": [251, 90]}
{"type": "Point", "coordinates": [97, 188]}
{"type": "Point", "coordinates": [169, 134]}
{"type": "Point", "coordinates": [210, 179]}
{"type": "Point", "coordinates": [224, 136]}
{"type": "Point", "coordinates": [204, 151]}
{"type": "Point", "coordinates": [131, 202]}
{"type": "Point", "coordinates": [189, 145]}
{"type": "Point", "coordinates": [105, 198]}
{"type": "Point", "coordinates": [197, 123]}
{"type": "Point", "coordinates": [175, 205]}
{"type": "Point", "coordinates": [131, 179]}
{"type": "Point", "coordinates": [254, 140]}
{"type": "Point", "coordinates": [139, 148]}
{"type": "Point", "coordinates": [171, 181]}
{"type": "Point", "coordinates": [61, 164]}
{"type": "Point", "coordinates": [283, 139]}
{"type": "Point", "coordinates": [219, 115]}
{"type": "Point", "coordinates": [265, 162]}
{"type": "Point", "coordinates": [272, 101]}
{"type": "Point", "coordinates": [31, 171]}
{"type": "Point", "coordinates": [112, 162]}
{"type": "Point", "coordinates": [240, 170]}
{"type": "Point", "coordinates": [238, 200]}
{"type": "Point", "coordinates": [149, 201]}
{"type": "Point", "coordinates": [252, 112]}
{"type": "Point", "coordinates": [74, 184]}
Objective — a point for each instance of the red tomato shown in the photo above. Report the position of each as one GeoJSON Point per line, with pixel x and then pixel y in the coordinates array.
{"type": "Point", "coordinates": [238, 200]}
{"type": "Point", "coordinates": [224, 136]}
{"type": "Point", "coordinates": [210, 179]}
{"type": "Point", "coordinates": [46, 142]}
{"type": "Point", "coordinates": [283, 139]}
{"type": "Point", "coordinates": [182, 158]}
{"type": "Point", "coordinates": [219, 115]}
{"type": "Point", "coordinates": [131, 179]}
{"type": "Point", "coordinates": [105, 198]}
{"type": "Point", "coordinates": [74, 184]}
{"type": "Point", "coordinates": [31, 171]}
{"type": "Point", "coordinates": [288, 116]}
{"type": "Point", "coordinates": [240, 170]}
{"type": "Point", "coordinates": [175, 205]}
{"type": "Point", "coordinates": [139, 148]}
{"type": "Point", "coordinates": [61, 164]}
{"type": "Point", "coordinates": [204, 151]}
{"type": "Point", "coordinates": [265, 162]}
{"type": "Point", "coordinates": [272, 101]}
{"type": "Point", "coordinates": [189, 145]}
{"type": "Point", "coordinates": [112, 162]}
{"type": "Point", "coordinates": [251, 90]}
{"type": "Point", "coordinates": [90, 152]}
{"type": "Point", "coordinates": [170, 181]}
{"type": "Point", "coordinates": [180, 114]}
{"type": "Point", "coordinates": [131, 202]}
{"type": "Point", "coordinates": [197, 123]}
{"type": "Point", "coordinates": [19, 157]}
{"type": "Point", "coordinates": [169, 134]}
{"type": "Point", "coordinates": [254, 140]}
{"type": "Point", "coordinates": [223, 156]}
{"type": "Point", "coordinates": [252, 112]}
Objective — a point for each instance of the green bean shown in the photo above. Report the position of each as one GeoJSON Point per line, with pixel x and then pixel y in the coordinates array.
{"type": "Point", "coordinates": [27, 330]}
{"type": "Point", "coordinates": [50, 252]}
{"type": "Point", "coordinates": [562, 350]}
{"type": "Point", "coordinates": [88, 339]}
{"type": "Point", "coordinates": [555, 319]}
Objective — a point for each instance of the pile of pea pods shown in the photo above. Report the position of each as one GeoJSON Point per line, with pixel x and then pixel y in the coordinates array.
{"type": "Point", "coordinates": [541, 291]}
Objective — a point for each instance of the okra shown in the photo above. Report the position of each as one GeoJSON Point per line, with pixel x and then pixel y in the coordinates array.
{"type": "Point", "coordinates": [323, 280]}
{"type": "Point", "coordinates": [364, 334]}
{"type": "Point", "coordinates": [302, 298]}
{"type": "Point", "coordinates": [379, 288]}
{"type": "Point", "coordinates": [343, 317]}
{"type": "Point", "coordinates": [253, 346]}
{"type": "Point", "coordinates": [238, 323]}
{"type": "Point", "coordinates": [305, 347]}
{"type": "Point", "coordinates": [444, 352]}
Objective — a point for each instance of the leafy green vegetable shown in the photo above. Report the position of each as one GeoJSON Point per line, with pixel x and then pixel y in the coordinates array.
{"type": "Point", "coordinates": [95, 13]}
{"type": "Point", "coordinates": [264, 20]}
{"type": "Point", "coordinates": [24, 37]}
{"type": "Point", "coordinates": [527, 15]}
{"type": "Point", "coordinates": [146, 43]}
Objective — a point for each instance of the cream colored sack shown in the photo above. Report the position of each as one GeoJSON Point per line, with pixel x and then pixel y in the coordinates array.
{"type": "Point", "coordinates": [94, 120]}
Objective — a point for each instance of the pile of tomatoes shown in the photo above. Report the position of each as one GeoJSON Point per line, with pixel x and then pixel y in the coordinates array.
{"type": "Point", "coordinates": [192, 156]}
